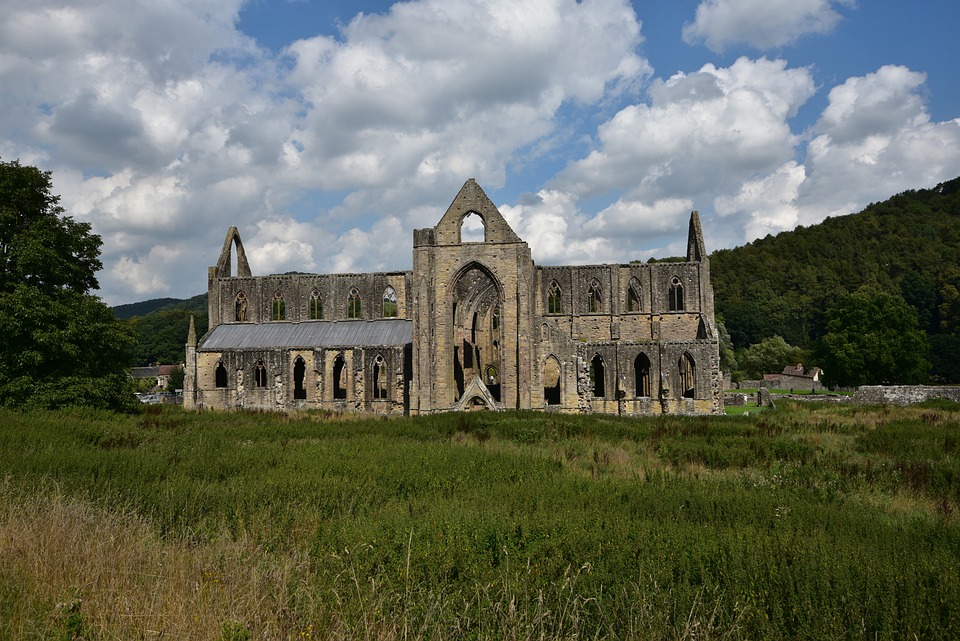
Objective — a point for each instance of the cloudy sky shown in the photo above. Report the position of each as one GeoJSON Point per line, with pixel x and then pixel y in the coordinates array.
{"type": "Point", "coordinates": [328, 130]}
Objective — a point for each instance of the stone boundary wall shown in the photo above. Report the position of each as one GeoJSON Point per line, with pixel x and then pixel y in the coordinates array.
{"type": "Point", "coordinates": [904, 394]}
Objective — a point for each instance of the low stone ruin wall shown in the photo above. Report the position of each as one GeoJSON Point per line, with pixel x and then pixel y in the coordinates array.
{"type": "Point", "coordinates": [904, 394]}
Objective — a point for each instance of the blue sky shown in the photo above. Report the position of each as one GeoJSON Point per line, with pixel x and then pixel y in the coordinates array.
{"type": "Point", "coordinates": [328, 131]}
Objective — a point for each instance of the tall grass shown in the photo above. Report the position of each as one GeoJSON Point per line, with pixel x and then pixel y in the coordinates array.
{"type": "Point", "coordinates": [805, 522]}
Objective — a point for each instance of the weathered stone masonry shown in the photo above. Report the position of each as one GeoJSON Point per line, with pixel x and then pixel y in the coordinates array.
{"type": "Point", "coordinates": [474, 325]}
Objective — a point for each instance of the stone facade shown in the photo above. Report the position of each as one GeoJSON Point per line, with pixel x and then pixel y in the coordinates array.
{"type": "Point", "coordinates": [476, 324]}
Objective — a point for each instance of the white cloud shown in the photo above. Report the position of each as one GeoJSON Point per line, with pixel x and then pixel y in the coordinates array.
{"type": "Point", "coordinates": [761, 24]}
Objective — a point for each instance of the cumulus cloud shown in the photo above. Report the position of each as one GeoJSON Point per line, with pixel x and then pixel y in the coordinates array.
{"type": "Point", "coordinates": [761, 24]}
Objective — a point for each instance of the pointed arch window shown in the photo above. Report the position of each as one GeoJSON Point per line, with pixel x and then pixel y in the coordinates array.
{"type": "Point", "coordinates": [495, 321]}
{"type": "Point", "coordinates": [551, 381]}
{"type": "Point", "coordinates": [473, 228]}
{"type": "Point", "coordinates": [240, 307]}
{"type": "Point", "coordinates": [633, 296]}
{"type": "Point", "coordinates": [339, 378]}
{"type": "Point", "coordinates": [688, 374]}
{"type": "Point", "coordinates": [354, 304]}
{"type": "Point", "coordinates": [299, 373]}
{"type": "Point", "coordinates": [676, 295]}
{"type": "Point", "coordinates": [553, 299]}
{"type": "Point", "coordinates": [316, 306]}
{"type": "Point", "coordinates": [278, 307]}
{"type": "Point", "coordinates": [220, 375]}
{"type": "Point", "coordinates": [595, 297]}
{"type": "Point", "coordinates": [260, 374]}
{"type": "Point", "coordinates": [389, 303]}
{"type": "Point", "coordinates": [379, 378]}
{"type": "Point", "coordinates": [597, 377]}
{"type": "Point", "coordinates": [641, 375]}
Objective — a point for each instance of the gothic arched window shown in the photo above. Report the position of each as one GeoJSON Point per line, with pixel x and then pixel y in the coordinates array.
{"type": "Point", "coordinates": [553, 299]}
{"type": "Point", "coordinates": [595, 297]}
{"type": "Point", "coordinates": [596, 377]}
{"type": "Point", "coordinates": [278, 307]}
{"type": "Point", "coordinates": [633, 296]}
{"type": "Point", "coordinates": [353, 303]}
{"type": "Point", "coordinates": [240, 307]}
{"type": "Point", "coordinates": [221, 375]}
{"type": "Point", "coordinates": [299, 373]}
{"type": "Point", "coordinates": [641, 375]}
{"type": "Point", "coordinates": [260, 374]}
{"type": "Point", "coordinates": [676, 295]}
{"type": "Point", "coordinates": [316, 306]}
{"type": "Point", "coordinates": [389, 303]}
{"type": "Point", "coordinates": [688, 376]}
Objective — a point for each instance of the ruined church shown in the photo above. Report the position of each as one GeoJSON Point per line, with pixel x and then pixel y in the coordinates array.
{"type": "Point", "coordinates": [476, 324]}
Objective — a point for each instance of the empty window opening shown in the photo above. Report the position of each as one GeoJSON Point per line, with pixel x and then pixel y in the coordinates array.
{"type": "Point", "coordinates": [353, 303]}
{"type": "Point", "coordinates": [688, 381]}
{"type": "Point", "coordinates": [379, 378]}
{"type": "Point", "coordinates": [641, 374]}
{"type": "Point", "coordinates": [473, 228]}
{"type": "Point", "coordinates": [633, 296]}
{"type": "Point", "coordinates": [596, 377]}
{"type": "Point", "coordinates": [240, 307]}
{"type": "Point", "coordinates": [553, 298]}
{"type": "Point", "coordinates": [221, 375]}
{"type": "Point", "coordinates": [316, 306]}
{"type": "Point", "coordinates": [551, 381]}
{"type": "Point", "coordinates": [595, 298]}
{"type": "Point", "coordinates": [389, 303]}
{"type": "Point", "coordinates": [278, 306]}
{"type": "Point", "coordinates": [492, 376]}
{"type": "Point", "coordinates": [496, 318]}
{"type": "Point", "coordinates": [676, 295]}
{"type": "Point", "coordinates": [299, 372]}
{"type": "Point", "coordinates": [339, 382]}
{"type": "Point", "coordinates": [260, 374]}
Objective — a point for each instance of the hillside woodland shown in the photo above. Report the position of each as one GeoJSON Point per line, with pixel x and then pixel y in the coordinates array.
{"type": "Point", "coordinates": [805, 294]}
{"type": "Point", "coordinates": [794, 284]}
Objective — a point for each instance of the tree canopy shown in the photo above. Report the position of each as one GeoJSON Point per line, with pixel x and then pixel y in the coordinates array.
{"type": "Point", "coordinates": [873, 338]}
{"type": "Point", "coordinates": [62, 345]}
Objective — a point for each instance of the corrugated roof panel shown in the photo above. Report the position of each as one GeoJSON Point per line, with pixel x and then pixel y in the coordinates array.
{"type": "Point", "coordinates": [359, 333]}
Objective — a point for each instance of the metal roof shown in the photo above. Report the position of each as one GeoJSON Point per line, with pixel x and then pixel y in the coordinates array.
{"type": "Point", "coordinates": [308, 334]}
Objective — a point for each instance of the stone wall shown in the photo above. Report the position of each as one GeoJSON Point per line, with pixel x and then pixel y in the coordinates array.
{"type": "Point", "coordinates": [904, 394]}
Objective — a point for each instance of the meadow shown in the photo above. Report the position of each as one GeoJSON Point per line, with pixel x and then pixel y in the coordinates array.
{"type": "Point", "coordinates": [810, 521]}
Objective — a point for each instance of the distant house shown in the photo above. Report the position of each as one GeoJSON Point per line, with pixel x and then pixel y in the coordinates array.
{"type": "Point", "coordinates": [795, 377]}
{"type": "Point", "coordinates": [159, 373]}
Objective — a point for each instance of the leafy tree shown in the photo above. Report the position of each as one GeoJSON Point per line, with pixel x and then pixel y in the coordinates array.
{"type": "Point", "coordinates": [873, 338]}
{"type": "Point", "coordinates": [61, 345]}
{"type": "Point", "coordinates": [728, 359]}
{"type": "Point", "coordinates": [176, 379]}
{"type": "Point", "coordinates": [769, 356]}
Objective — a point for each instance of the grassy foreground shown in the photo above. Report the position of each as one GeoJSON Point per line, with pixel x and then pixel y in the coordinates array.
{"type": "Point", "coordinates": [804, 522]}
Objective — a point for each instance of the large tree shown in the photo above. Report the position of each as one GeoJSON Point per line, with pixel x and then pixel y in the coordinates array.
{"type": "Point", "coordinates": [873, 338]}
{"type": "Point", "coordinates": [61, 345]}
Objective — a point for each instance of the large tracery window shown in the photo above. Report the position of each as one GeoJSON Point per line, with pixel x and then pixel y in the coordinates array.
{"type": "Point", "coordinates": [278, 307]}
{"type": "Point", "coordinates": [240, 307]}
{"type": "Point", "coordinates": [595, 297]}
{"type": "Point", "coordinates": [353, 303]}
{"type": "Point", "coordinates": [676, 295]}
{"type": "Point", "coordinates": [389, 303]}
{"type": "Point", "coordinates": [553, 299]}
{"type": "Point", "coordinates": [316, 305]}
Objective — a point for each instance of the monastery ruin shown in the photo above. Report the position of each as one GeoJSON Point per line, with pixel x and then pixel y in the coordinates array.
{"type": "Point", "coordinates": [474, 325]}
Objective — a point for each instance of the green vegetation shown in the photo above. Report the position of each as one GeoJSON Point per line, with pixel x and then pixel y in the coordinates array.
{"type": "Point", "coordinates": [161, 332]}
{"type": "Point", "coordinates": [807, 521]}
{"type": "Point", "coordinates": [907, 246]}
{"type": "Point", "coordinates": [61, 345]}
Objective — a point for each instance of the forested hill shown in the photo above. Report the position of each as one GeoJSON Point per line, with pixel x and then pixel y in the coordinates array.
{"type": "Point", "coordinates": [161, 327]}
{"type": "Point", "coordinates": [908, 245]}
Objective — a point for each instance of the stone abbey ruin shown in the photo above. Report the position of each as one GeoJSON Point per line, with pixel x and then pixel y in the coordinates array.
{"type": "Point", "coordinates": [474, 325]}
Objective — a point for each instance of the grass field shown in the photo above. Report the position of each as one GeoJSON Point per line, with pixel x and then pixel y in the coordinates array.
{"type": "Point", "coordinates": [808, 521]}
